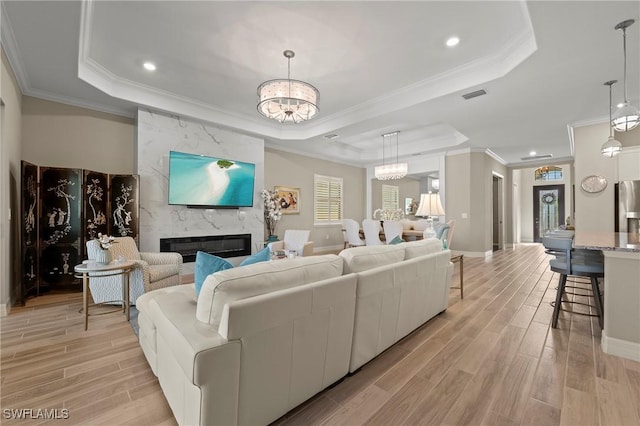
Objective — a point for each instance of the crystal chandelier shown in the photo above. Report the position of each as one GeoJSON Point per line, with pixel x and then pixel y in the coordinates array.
{"type": "Point", "coordinates": [391, 171]}
{"type": "Point", "coordinates": [627, 117]}
{"type": "Point", "coordinates": [290, 101]}
{"type": "Point", "coordinates": [611, 147]}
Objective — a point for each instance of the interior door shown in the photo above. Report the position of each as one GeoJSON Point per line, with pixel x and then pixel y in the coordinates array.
{"type": "Point", "coordinates": [497, 213]}
{"type": "Point", "coordinates": [548, 209]}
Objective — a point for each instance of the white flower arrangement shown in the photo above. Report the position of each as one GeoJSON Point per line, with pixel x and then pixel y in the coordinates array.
{"type": "Point", "coordinates": [106, 241]}
{"type": "Point", "coordinates": [272, 213]}
{"type": "Point", "coordinates": [388, 214]}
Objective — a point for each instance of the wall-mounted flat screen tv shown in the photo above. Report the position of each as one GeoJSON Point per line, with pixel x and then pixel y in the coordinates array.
{"type": "Point", "coordinates": [201, 181]}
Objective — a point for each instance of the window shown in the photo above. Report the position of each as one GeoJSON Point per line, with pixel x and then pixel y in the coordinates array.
{"type": "Point", "coordinates": [327, 200]}
{"type": "Point", "coordinates": [390, 197]}
{"type": "Point", "coordinates": [548, 173]}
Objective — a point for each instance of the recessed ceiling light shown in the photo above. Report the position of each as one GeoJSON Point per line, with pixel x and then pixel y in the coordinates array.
{"type": "Point", "coordinates": [453, 41]}
{"type": "Point", "coordinates": [532, 153]}
{"type": "Point", "coordinates": [620, 105]}
{"type": "Point", "coordinates": [149, 66]}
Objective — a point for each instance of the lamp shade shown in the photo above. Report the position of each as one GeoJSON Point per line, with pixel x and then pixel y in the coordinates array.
{"type": "Point", "coordinates": [430, 205]}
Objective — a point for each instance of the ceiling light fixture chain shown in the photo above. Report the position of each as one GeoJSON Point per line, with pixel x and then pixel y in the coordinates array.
{"type": "Point", "coordinates": [391, 171]}
{"type": "Point", "coordinates": [611, 147]}
{"type": "Point", "coordinates": [627, 117]}
{"type": "Point", "coordinates": [288, 101]}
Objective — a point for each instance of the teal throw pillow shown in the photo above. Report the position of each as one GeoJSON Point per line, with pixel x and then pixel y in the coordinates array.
{"type": "Point", "coordinates": [207, 264]}
{"type": "Point", "coordinates": [261, 256]}
{"type": "Point", "coordinates": [396, 240]}
{"type": "Point", "coordinates": [440, 230]}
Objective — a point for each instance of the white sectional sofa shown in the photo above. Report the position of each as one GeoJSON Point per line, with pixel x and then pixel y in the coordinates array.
{"type": "Point", "coordinates": [400, 287]}
{"type": "Point", "coordinates": [263, 338]}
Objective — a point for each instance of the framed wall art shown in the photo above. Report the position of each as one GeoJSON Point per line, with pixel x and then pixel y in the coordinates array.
{"type": "Point", "coordinates": [289, 199]}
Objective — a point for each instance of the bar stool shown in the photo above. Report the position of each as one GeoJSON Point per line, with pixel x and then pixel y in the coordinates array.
{"type": "Point", "coordinates": [574, 263]}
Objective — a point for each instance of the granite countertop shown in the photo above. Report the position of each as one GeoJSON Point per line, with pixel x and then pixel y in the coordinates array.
{"type": "Point", "coordinates": [607, 241]}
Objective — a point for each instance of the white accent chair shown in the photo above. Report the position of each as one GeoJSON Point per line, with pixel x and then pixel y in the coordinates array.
{"type": "Point", "coordinates": [294, 239]}
{"type": "Point", "coordinates": [153, 271]}
{"type": "Point", "coordinates": [352, 230]}
{"type": "Point", "coordinates": [445, 232]}
{"type": "Point", "coordinates": [449, 232]}
{"type": "Point", "coordinates": [371, 230]}
{"type": "Point", "coordinates": [392, 229]}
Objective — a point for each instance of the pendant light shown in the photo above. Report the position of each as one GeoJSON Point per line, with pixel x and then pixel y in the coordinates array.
{"type": "Point", "coordinates": [611, 147]}
{"type": "Point", "coordinates": [391, 171]}
{"type": "Point", "coordinates": [626, 117]}
{"type": "Point", "coordinates": [287, 100]}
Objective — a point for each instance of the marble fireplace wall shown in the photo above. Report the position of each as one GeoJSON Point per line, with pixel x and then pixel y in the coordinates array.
{"type": "Point", "coordinates": [159, 133]}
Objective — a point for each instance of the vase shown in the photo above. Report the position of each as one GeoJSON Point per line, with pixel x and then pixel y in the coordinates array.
{"type": "Point", "coordinates": [272, 238]}
{"type": "Point", "coordinates": [103, 256]}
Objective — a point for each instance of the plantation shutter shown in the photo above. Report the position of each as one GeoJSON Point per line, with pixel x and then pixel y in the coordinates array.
{"type": "Point", "coordinates": [327, 200]}
{"type": "Point", "coordinates": [390, 197]}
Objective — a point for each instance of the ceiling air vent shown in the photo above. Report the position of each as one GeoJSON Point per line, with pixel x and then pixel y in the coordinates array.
{"type": "Point", "coordinates": [537, 157]}
{"type": "Point", "coordinates": [331, 136]}
{"type": "Point", "coordinates": [475, 94]}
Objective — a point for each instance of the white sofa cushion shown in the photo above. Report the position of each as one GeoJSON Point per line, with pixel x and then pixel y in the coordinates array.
{"type": "Point", "coordinates": [419, 248]}
{"type": "Point", "coordinates": [227, 286]}
{"type": "Point", "coordinates": [146, 326]}
{"type": "Point", "coordinates": [358, 259]}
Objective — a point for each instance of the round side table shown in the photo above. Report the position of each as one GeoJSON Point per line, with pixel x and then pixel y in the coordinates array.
{"type": "Point", "coordinates": [116, 267]}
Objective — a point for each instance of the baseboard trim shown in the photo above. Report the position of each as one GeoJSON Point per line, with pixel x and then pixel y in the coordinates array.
{"type": "Point", "coordinates": [618, 347]}
{"type": "Point", "coordinates": [488, 253]}
{"type": "Point", "coordinates": [5, 308]}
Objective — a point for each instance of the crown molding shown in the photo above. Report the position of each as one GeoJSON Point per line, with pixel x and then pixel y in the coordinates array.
{"type": "Point", "coordinates": [10, 46]}
{"type": "Point", "coordinates": [94, 106]}
{"type": "Point", "coordinates": [468, 75]}
{"type": "Point", "coordinates": [496, 157]}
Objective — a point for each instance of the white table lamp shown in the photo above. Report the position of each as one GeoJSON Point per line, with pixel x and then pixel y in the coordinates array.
{"type": "Point", "coordinates": [430, 206]}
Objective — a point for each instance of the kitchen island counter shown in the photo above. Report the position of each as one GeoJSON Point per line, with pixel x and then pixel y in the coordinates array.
{"type": "Point", "coordinates": [621, 334]}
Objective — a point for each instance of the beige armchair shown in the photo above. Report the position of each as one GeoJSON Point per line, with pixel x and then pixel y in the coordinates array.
{"type": "Point", "coordinates": [294, 239]}
{"type": "Point", "coordinates": [153, 271]}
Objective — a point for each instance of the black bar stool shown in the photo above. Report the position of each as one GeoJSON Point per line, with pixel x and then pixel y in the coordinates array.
{"type": "Point", "coordinates": [574, 263]}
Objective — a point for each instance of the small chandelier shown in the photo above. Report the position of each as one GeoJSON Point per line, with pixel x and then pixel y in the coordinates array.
{"type": "Point", "coordinates": [627, 117]}
{"type": "Point", "coordinates": [290, 101]}
{"type": "Point", "coordinates": [391, 171]}
{"type": "Point", "coordinates": [611, 147]}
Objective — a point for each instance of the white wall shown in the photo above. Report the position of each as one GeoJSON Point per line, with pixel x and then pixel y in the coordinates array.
{"type": "Point", "coordinates": [59, 135]}
{"type": "Point", "coordinates": [287, 169]}
{"type": "Point", "coordinates": [10, 129]}
{"type": "Point", "coordinates": [594, 212]}
{"type": "Point", "coordinates": [516, 207]}
{"type": "Point", "coordinates": [159, 133]}
{"type": "Point", "coordinates": [629, 162]}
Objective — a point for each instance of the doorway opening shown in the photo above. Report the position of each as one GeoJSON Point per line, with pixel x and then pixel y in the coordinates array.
{"type": "Point", "coordinates": [497, 212]}
{"type": "Point", "coordinates": [548, 209]}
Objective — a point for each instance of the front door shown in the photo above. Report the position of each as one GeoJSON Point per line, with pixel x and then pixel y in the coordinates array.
{"type": "Point", "coordinates": [548, 209]}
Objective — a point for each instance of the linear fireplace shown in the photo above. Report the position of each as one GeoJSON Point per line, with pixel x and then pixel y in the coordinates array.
{"type": "Point", "coordinates": [218, 245]}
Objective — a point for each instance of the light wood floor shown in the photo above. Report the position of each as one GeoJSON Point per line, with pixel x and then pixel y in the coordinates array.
{"type": "Point", "coordinates": [489, 359]}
